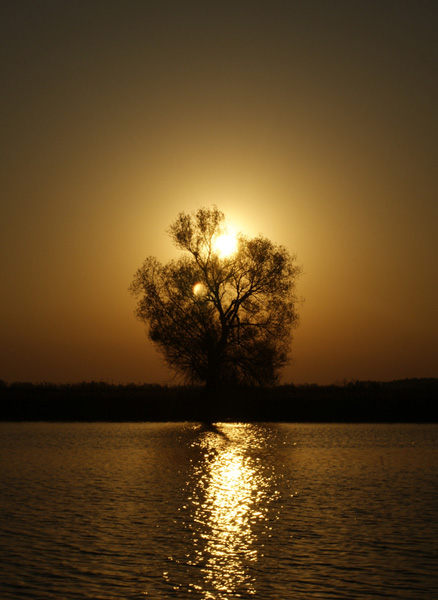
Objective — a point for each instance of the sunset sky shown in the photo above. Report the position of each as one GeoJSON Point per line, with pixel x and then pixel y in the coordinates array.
{"type": "Point", "coordinates": [311, 122]}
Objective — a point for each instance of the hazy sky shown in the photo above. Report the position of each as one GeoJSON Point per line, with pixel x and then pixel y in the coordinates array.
{"type": "Point", "coordinates": [311, 122]}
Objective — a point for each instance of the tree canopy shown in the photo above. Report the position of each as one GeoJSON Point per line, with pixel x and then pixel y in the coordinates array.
{"type": "Point", "coordinates": [216, 318]}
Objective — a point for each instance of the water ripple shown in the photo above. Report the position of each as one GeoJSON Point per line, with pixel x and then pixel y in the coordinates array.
{"type": "Point", "coordinates": [106, 511]}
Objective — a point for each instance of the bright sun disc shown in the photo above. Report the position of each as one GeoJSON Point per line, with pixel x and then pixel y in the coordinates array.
{"type": "Point", "coordinates": [225, 244]}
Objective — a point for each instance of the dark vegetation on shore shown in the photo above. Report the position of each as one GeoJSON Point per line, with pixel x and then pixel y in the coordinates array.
{"type": "Point", "coordinates": [409, 400]}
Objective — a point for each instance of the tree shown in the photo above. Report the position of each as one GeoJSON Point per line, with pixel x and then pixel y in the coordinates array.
{"type": "Point", "coordinates": [216, 318]}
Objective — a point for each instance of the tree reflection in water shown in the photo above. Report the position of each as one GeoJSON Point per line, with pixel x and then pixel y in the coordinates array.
{"type": "Point", "coordinates": [231, 491]}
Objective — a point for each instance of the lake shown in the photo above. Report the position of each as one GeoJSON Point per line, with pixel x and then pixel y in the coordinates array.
{"type": "Point", "coordinates": [174, 510]}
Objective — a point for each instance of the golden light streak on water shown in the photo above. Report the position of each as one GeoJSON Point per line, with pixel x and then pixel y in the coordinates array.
{"type": "Point", "coordinates": [227, 502]}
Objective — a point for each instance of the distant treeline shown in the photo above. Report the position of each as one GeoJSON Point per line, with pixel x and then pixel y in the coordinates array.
{"type": "Point", "coordinates": [409, 400]}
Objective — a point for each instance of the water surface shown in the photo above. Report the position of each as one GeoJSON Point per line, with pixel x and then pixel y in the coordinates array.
{"type": "Point", "coordinates": [296, 511]}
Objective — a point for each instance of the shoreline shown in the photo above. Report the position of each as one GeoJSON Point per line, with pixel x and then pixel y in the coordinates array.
{"type": "Point", "coordinates": [401, 401]}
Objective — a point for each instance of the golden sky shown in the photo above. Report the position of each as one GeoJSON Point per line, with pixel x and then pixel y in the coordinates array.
{"type": "Point", "coordinates": [311, 122]}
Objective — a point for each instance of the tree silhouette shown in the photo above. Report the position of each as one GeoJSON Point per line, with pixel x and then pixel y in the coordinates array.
{"type": "Point", "coordinates": [219, 319]}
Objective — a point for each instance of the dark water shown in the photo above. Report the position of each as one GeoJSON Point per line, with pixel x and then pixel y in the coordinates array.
{"type": "Point", "coordinates": [158, 511]}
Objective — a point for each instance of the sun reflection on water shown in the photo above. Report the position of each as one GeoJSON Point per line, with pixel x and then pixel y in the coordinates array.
{"type": "Point", "coordinates": [229, 505]}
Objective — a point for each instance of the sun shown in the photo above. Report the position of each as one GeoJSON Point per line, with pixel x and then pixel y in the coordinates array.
{"type": "Point", "coordinates": [225, 245]}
